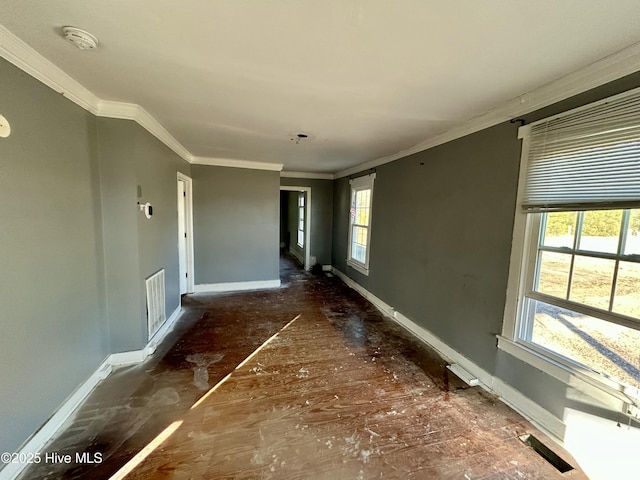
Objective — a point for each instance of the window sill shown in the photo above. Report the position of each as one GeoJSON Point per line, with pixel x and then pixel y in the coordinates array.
{"type": "Point", "coordinates": [572, 375]}
{"type": "Point", "coordinates": [358, 267]}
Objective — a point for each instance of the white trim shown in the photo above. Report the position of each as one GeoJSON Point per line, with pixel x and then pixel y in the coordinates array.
{"type": "Point", "coordinates": [453, 356]}
{"type": "Point", "coordinates": [40, 438]}
{"type": "Point", "coordinates": [612, 67]}
{"type": "Point", "coordinates": [229, 162]}
{"type": "Point", "coordinates": [542, 418]}
{"type": "Point", "coordinates": [607, 69]}
{"type": "Point", "coordinates": [19, 53]}
{"type": "Point", "coordinates": [188, 185]}
{"type": "Point", "coordinates": [519, 245]}
{"type": "Point", "coordinates": [307, 234]}
{"type": "Point", "coordinates": [365, 182]}
{"type": "Point", "coordinates": [132, 111]}
{"type": "Point", "coordinates": [236, 286]}
{"type": "Point", "coordinates": [23, 56]}
{"type": "Point", "coordinates": [573, 375]}
{"type": "Point", "coordinates": [161, 334]}
{"type": "Point", "coordinates": [317, 176]}
{"type": "Point", "coordinates": [121, 359]}
{"type": "Point", "coordinates": [46, 432]}
{"type": "Point", "coordinates": [533, 412]}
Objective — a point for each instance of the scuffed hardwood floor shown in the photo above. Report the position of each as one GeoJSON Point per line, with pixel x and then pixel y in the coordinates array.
{"type": "Point", "coordinates": [336, 392]}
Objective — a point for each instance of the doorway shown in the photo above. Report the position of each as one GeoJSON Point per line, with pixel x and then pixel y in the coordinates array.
{"type": "Point", "coordinates": [295, 222]}
{"type": "Point", "coordinates": [185, 233]}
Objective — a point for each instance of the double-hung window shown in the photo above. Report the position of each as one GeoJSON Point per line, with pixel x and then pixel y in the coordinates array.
{"type": "Point", "coordinates": [360, 223]}
{"type": "Point", "coordinates": [574, 286]}
{"type": "Point", "coordinates": [301, 227]}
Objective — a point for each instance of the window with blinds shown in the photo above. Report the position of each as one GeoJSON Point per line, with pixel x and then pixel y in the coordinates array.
{"type": "Point", "coordinates": [587, 158]}
{"type": "Point", "coordinates": [579, 291]}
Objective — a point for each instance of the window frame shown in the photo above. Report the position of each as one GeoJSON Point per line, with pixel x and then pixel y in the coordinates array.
{"type": "Point", "coordinates": [365, 182]}
{"type": "Point", "coordinates": [522, 274]}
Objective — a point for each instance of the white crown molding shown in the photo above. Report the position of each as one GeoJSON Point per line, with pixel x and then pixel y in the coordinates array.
{"type": "Point", "coordinates": [229, 162]}
{"type": "Point", "coordinates": [23, 56]}
{"type": "Point", "coordinates": [607, 69]}
{"type": "Point", "coordinates": [311, 175]}
{"type": "Point", "coordinates": [133, 111]}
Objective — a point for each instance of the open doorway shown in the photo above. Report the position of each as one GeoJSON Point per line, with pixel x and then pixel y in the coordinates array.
{"type": "Point", "coordinates": [295, 223]}
{"type": "Point", "coordinates": [185, 234]}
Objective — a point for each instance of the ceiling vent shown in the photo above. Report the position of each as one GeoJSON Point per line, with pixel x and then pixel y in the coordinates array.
{"type": "Point", "coordinates": [81, 39]}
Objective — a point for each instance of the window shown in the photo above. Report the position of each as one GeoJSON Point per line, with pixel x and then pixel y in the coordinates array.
{"type": "Point", "coordinates": [301, 228]}
{"type": "Point", "coordinates": [574, 295]}
{"type": "Point", "coordinates": [360, 223]}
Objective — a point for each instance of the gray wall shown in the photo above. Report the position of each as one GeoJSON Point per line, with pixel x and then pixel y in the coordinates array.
{"type": "Point", "coordinates": [74, 248]}
{"type": "Point", "coordinates": [116, 146]}
{"type": "Point", "coordinates": [136, 247]}
{"type": "Point", "coordinates": [51, 286]}
{"type": "Point", "coordinates": [321, 215]}
{"type": "Point", "coordinates": [442, 224]}
{"type": "Point", "coordinates": [440, 240]}
{"type": "Point", "coordinates": [156, 168]}
{"type": "Point", "coordinates": [236, 224]}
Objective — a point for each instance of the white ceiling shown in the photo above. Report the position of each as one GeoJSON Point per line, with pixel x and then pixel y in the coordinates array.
{"type": "Point", "coordinates": [365, 79]}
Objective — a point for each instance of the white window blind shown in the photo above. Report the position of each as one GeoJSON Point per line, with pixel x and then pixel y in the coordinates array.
{"type": "Point", "coordinates": [586, 158]}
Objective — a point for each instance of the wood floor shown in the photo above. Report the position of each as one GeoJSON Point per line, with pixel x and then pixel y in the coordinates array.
{"type": "Point", "coordinates": [305, 382]}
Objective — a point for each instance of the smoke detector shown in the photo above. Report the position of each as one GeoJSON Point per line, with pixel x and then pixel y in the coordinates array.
{"type": "Point", "coordinates": [81, 39]}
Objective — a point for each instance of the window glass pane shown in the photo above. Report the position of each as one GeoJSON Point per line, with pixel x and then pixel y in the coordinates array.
{"type": "Point", "coordinates": [362, 207]}
{"type": "Point", "coordinates": [362, 198]}
{"type": "Point", "coordinates": [300, 238]}
{"type": "Point", "coordinates": [602, 346]}
{"type": "Point", "coordinates": [627, 297]}
{"type": "Point", "coordinates": [591, 281]}
{"type": "Point", "coordinates": [553, 278]}
{"type": "Point", "coordinates": [601, 231]}
{"type": "Point", "coordinates": [359, 244]}
{"type": "Point", "coordinates": [632, 247]}
{"type": "Point", "coordinates": [560, 229]}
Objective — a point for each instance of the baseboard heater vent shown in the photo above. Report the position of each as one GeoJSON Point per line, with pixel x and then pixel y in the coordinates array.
{"type": "Point", "coordinates": [463, 375]}
{"type": "Point", "coordinates": [546, 453]}
{"type": "Point", "coordinates": [156, 315]}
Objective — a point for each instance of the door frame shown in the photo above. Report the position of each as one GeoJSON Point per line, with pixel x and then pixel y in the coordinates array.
{"type": "Point", "coordinates": [188, 219]}
{"type": "Point", "coordinates": [307, 214]}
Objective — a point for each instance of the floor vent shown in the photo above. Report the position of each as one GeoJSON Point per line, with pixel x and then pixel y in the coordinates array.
{"type": "Point", "coordinates": [546, 453]}
{"type": "Point", "coordinates": [156, 315]}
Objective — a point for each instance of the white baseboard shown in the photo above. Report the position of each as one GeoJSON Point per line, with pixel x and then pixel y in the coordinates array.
{"type": "Point", "coordinates": [160, 335]}
{"type": "Point", "coordinates": [540, 417]}
{"type": "Point", "coordinates": [39, 439]}
{"type": "Point", "coordinates": [236, 286]}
